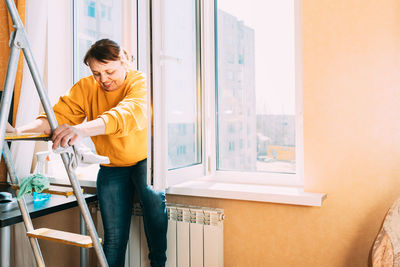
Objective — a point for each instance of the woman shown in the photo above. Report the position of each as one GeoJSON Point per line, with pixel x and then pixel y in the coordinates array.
{"type": "Point", "coordinates": [113, 102]}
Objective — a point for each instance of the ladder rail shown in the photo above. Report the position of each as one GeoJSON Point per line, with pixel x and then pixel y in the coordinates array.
{"type": "Point", "coordinates": [22, 206]}
{"type": "Point", "coordinates": [8, 91]}
{"type": "Point", "coordinates": [4, 113]}
{"type": "Point", "coordinates": [20, 40]}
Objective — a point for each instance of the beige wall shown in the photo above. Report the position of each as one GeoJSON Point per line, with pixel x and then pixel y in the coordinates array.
{"type": "Point", "coordinates": [351, 64]}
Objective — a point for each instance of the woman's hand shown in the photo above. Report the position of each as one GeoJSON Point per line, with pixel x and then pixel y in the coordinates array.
{"type": "Point", "coordinates": [10, 129]}
{"type": "Point", "coordinates": [65, 135]}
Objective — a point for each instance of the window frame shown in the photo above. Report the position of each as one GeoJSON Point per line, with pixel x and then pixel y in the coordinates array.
{"type": "Point", "coordinates": [162, 177]}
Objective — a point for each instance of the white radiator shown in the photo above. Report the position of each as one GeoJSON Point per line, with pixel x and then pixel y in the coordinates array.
{"type": "Point", "coordinates": [195, 238]}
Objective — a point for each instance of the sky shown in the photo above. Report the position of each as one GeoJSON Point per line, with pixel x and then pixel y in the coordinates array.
{"type": "Point", "coordinates": [273, 24]}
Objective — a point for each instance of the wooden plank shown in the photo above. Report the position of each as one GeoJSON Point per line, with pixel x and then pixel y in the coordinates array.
{"type": "Point", "coordinates": [60, 190]}
{"type": "Point", "coordinates": [54, 190]}
{"type": "Point", "coordinates": [26, 136]}
{"type": "Point", "coordinates": [67, 238]}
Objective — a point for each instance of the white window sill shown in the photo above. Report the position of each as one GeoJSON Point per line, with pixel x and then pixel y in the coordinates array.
{"type": "Point", "coordinates": [251, 192]}
{"type": "Point", "coordinates": [87, 175]}
{"type": "Point", "coordinates": [65, 181]}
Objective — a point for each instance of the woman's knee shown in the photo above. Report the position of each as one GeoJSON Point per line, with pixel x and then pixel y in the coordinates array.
{"type": "Point", "coordinates": [155, 199]}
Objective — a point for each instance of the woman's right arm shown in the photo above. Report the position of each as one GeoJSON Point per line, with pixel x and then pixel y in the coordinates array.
{"type": "Point", "coordinates": [68, 110]}
{"type": "Point", "coordinates": [40, 125]}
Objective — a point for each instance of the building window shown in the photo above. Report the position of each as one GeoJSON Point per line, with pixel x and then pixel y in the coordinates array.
{"type": "Point", "coordinates": [103, 11]}
{"type": "Point", "coordinates": [229, 75]}
{"type": "Point", "coordinates": [181, 150]}
{"type": "Point", "coordinates": [109, 14]}
{"type": "Point", "coordinates": [231, 128]}
{"type": "Point", "coordinates": [91, 9]}
{"type": "Point", "coordinates": [240, 59]}
{"type": "Point", "coordinates": [182, 129]}
{"type": "Point", "coordinates": [231, 146]}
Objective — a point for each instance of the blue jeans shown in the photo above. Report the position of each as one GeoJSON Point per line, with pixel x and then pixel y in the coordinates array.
{"type": "Point", "coordinates": [115, 189]}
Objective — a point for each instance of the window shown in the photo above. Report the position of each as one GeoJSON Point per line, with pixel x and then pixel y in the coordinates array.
{"type": "Point", "coordinates": [241, 59]}
{"type": "Point", "coordinates": [177, 100]}
{"type": "Point", "coordinates": [242, 110]}
{"type": "Point", "coordinates": [179, 79]}
{"type": "Point", "coordinates": [91, 9]}
{"type": "Point", "coordinates": [103, 11]}
{"type": "Point", "coordinates": [231, 146]}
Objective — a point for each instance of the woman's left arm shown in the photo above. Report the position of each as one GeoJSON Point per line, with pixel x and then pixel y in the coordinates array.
{"type": "Point", "coordinates": [130, 114]}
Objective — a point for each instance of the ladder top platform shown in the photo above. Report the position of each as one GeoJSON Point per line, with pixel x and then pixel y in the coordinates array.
{"type": "Point", "coordinates": [27, 136]}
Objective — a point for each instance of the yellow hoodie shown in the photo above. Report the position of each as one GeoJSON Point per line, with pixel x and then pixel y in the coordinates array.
{"type": "Point", "coordinates": [124, 112]}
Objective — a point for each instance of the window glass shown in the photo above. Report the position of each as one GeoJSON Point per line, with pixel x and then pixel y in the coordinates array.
{"type": "Point", "coordinates": [179, 57]}
{"type": "Point", "coordinates": [94, 20]}
{"type": "Point", "coordinates": [256, 117]}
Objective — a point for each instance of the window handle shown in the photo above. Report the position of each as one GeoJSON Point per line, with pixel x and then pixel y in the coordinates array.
{"type": "Point", "coordinates": [168, 57]}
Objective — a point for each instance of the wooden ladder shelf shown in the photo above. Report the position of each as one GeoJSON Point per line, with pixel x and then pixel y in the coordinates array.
{"type": "Point", "coordinates": [54, 190]}
{"type": "Point", "coordinates": [67, 238]}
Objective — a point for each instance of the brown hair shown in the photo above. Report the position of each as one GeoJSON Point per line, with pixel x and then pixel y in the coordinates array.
{"type": "Point", "coordinates": [105, 50]}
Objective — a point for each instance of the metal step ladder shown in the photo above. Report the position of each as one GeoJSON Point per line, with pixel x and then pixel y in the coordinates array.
{"type": "Point", "coordinates": [18, 41]}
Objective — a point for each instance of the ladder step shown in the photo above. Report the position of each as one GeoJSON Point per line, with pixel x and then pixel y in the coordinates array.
{"type": "Point", "coordinates": [54, 190]}
{"type": "Point", "coordinates": [67, 238]}
{"type": "Point", "coordinates": [26, 136]}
